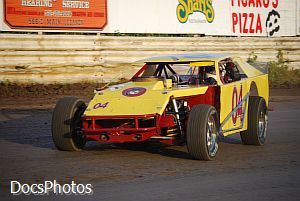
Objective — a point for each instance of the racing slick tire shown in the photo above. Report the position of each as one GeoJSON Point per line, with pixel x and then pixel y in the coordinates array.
{"type": "Point", "coordinates": [257, 122]}
{"type": "Point", "coordinates": [66, 122]}
{"type": "Point", "coordinates": [202, 132]}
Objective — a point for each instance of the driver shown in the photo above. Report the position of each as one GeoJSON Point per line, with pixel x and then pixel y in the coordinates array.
{"type": "Point", "coordinates": [210, 75]}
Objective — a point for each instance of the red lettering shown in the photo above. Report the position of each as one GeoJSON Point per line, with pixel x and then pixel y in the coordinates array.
{"type": "Point", "coordinates": [234, 104]}
{"type": "Point", "coordinates": [266, 3]}
{"type": "Point", "coordinates": [234, 1]}
{"type": "Point", "coordinates": [244, 3]}
{"type": "Point", "coordinates": [275, 3]}
{"type": "Point", "coordinates": [245, 16]}
{"type": "Point", "coordinates": [246, 23]}
{"type": "Point", "coordinates": [234, 21]}
{"type": "Point", "coordinates": [258, 24]}
{"type": "Point", "coordinates": [79, 14]}
{"type": "Point", "coordinates": [236, 100]}
{"type": "Point", "coordinates": [240, 110]}
{"type": "Point", "coordinates": [240, 21]}
{"type": "Point", "coordinates": [251, 3]}
{"type": "Point", "coordinates": [97, 14]}
{"type": "Point", "coordinates": [258, 3]}
{"type": "Point", "coordinates": [251, 15]}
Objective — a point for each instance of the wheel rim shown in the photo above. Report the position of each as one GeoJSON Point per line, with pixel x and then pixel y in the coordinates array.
{"type": "Point", "coordinates": [262, 125]}
{"type": "Point", "coordinates": [211, 136]}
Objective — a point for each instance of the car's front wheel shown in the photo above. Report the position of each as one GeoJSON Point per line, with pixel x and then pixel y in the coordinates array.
{"type": "Point", "coordinates": [67, 123]}
{"type": "Point", "coordinates": [202, 132]}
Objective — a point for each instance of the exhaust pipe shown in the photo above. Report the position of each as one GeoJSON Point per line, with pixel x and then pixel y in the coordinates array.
{"type": "Point", "coordinates": [104, 137]}
{"type": "Point", "coordinates": [137, 137]}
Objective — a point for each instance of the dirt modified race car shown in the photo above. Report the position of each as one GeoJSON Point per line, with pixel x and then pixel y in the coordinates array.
{"type": "Point", "coordinates": [190, 99]}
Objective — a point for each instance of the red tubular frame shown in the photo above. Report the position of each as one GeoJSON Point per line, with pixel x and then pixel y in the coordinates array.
{"type": "Point", "coordinates": [135, 117]}
{"type": "Point", "coordinates": [92, 131]}
{"type": "Point", "coordinates": [116, 134]}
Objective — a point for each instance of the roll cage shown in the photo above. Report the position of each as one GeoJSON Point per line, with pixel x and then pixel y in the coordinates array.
{"type": "Point", "coordinates": [185, 73]}
{"type": "Point", "coordinates": [191, 73]}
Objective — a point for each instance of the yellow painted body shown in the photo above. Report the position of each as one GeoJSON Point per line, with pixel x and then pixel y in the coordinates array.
{"type": "Point", "coordinates": [157, 96]}
{"type": "Point", "coordinates": [153, 101]}
{"type": "Point", "coordinates": [229, 99]}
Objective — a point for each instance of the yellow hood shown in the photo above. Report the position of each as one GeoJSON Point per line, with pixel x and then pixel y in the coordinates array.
{"type": "Point", "coordinates": [136, 98]}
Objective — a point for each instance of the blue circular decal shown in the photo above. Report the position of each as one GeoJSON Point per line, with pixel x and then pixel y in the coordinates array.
{"type": "Point", "coordinates": [133, 92]}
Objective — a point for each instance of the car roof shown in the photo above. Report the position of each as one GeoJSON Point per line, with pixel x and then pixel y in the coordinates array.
{"type": "Point", "coordinates": [188, 57]}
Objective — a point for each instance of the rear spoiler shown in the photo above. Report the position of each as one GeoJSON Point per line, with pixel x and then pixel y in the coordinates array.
{"type": "Point", "coordinates": [261, 66]}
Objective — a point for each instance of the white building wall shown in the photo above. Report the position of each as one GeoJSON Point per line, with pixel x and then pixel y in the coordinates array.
{"type": "Point", "coordinates": [298, 17]}
{"type": "Point", "coordinates": [230, 17]}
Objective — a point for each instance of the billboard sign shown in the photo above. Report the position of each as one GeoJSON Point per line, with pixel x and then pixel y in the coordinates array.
{"type": "Point", "coordinates": [185, 8]}
{"type": "Point", "coordinates": [255, 17]}
{"type": "Point", "coordinates": [270, 18]}
{"type": "Point", "coordinates": [56, 14]}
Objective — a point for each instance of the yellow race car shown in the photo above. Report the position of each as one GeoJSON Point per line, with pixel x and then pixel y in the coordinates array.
{"type": "Point", "coordinates": [181, 99]}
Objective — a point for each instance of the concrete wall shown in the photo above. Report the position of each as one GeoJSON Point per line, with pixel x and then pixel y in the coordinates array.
{"type": "Point", "coordinates": [73, 58]}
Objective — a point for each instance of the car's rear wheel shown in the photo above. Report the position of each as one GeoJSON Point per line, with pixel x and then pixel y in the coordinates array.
{"type": "Point", "coordinates": [257, 122]}
{"type": "Point", "coordinates": [67, 123]}
{"type": "Point", "coordinates": [202, 132]}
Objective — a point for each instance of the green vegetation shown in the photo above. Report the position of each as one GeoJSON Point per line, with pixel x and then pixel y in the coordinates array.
{"type": "Point", "coordinates": [280, 75]}
{"type": "Point", "coordinates": [252, 57]}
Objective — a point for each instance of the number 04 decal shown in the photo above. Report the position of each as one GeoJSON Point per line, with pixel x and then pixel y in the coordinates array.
{"type": "Point", "coordinates": [236, 99]}
{"type": "Point", "coordinates": [100, 105]}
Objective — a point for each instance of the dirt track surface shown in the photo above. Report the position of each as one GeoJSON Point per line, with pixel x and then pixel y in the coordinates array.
{"type": "Point", "coordinates": [157, 172]}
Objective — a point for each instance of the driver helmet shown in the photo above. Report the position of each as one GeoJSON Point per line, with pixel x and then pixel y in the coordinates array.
{"type": "Point", "coordinates": [210, 75]}
{"type": "Point", "coordinates": [222, 70]}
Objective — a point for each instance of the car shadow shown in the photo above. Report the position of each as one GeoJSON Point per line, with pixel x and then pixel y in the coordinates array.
{"type": "Point", "coordinates": [172, 151]}
{"type": "Point", "coordinates": [233, 139]}
{"type": "Point", "coordinates": [33, 127]}
{"type": "Point", "coordinates": [159, 148]}
{"type": "Point", "coordinates": [27, 126]}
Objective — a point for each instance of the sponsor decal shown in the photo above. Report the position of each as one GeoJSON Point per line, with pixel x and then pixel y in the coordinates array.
{"type": "Point", "coordinates": [133, 92]}
{"type": "Point", "coordinates": [250, 16]}
{"type": "Point", "coordinates": [185, 8]}
{"type": "Point", "coordinates": [272, 23]}
{"type": "Point", "coordinates": [56, 14]}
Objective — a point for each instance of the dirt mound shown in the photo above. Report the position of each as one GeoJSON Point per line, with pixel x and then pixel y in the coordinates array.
{"type": "Point", "coordinates": [42, 96]}
{"type": "Point", "coordinates": [37, 90]}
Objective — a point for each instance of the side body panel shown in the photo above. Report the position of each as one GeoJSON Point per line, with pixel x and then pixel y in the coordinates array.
{"type": "Point", "coordinates": [234, 102]}
{"type": "Point", "coordinates": [233, 106]}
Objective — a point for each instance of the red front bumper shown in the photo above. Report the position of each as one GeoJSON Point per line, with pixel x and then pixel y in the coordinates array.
{"type": "Point", "coordinates": [125, 128]}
